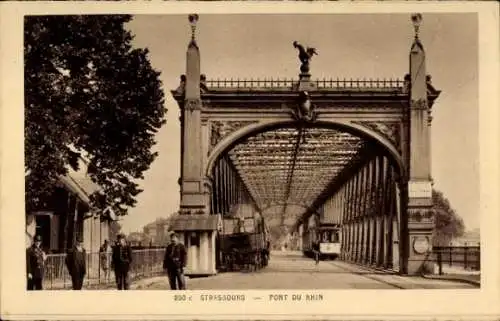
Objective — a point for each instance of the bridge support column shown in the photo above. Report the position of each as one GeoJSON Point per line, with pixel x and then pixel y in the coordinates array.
{"type": "Point", "coordinates": [419, 216]}
{"type": "Point", "coordinates": [371, 247]}
{"type": "Point", "coordinates": [196, 226]}
{"type": "Point", "coordinates": [362, 216]}
{"type": "Point", "coordinates": [380, 247]}
{"type": "Point", "coordinates": [356, 206]}
{"type": "Point", "coordinates": [379, 244]}
{"type": "Point", "coordinates": [352, 225]}
{"type": "Point", "coordinates": [368, 211]}
{"type": "Point", "coordinates": [387, 256]}
{"type": "Point", "coordinates": [195, 196]}
{"type": "Point", "coordinates": [366, 237]}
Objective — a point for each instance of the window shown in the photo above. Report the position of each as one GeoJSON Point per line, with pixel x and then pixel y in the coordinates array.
{"type": "Point", "coordinates": [43, 229]}
{"type": "Point", "coordinates": [335, 236]}
{"type": "Point", "coordinates": [195, 239]}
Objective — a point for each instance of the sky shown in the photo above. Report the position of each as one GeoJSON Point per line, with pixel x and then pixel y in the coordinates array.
{"type": "Point", "coordinates": [349, 46]}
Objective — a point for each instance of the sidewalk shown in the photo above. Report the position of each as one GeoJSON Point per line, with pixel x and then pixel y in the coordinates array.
{"type": "Point", "coordinates": [145, 282]}
{"type": "Point", "coordinates": [410, 282]}
{"type": "Point", "coordinates": [458, 274]}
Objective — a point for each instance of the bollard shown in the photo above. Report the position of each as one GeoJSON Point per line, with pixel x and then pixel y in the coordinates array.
{"type": "Point", "coordinates": [465, 256]}
{"type": "Point", "coordinates": [440, 262]}
{"type": "Point", "coordinates": [451, 253]}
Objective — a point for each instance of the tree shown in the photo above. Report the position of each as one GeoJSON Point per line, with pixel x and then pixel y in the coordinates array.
{"type": "Point", "coordinates": [447, 223]}
{"type": "Point", "coordinates": [88, 94]}
{"type": "Point", "coordinates": [139, 238]}
{"type": "Point", "coordinates": [114, 230]}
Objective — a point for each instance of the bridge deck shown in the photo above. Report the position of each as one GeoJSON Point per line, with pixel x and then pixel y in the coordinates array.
{"type": "Point", "coordinates": [290, 270]}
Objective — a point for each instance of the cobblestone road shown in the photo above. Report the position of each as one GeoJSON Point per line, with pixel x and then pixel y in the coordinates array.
{"type": "Point", "coordinates": [293, 271]}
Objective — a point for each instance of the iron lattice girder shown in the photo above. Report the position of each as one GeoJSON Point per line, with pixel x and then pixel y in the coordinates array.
{"type": "Point", "coordinates": [302, 175]}
{"type": "Point", "coordinates": [334, 185]}
{"type": "Point", "coordinates": [292, 165]}
{"type": "Point", "coordinates": [240, 155]}
{"type": "Point", "coordinates": [283, 177]}
{"type": "Point", "coordinates": [306, 163]}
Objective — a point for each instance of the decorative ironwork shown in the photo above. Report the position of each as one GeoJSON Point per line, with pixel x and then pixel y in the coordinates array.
{"type": "Point", "coordinates": [305, 109]}
{"type": "Point", "coordinates": [390, 130]}
{"type": "Point", "coordinates": [320, 84]}
{"type": "Point", "coordinates": [416, 18]}
{"type": "Point", "coordinates": [285, 167]}
{"type": "Point", "coordinates": [420, 104]}
{"type": "Point", "coordinates": [192, 104]}
{"type": "Point", "coordinates": [193, 19]}
{"type": "Point", "coordinates": [221, 129]}
{"type": "Point", "coordinates": [421, 215]}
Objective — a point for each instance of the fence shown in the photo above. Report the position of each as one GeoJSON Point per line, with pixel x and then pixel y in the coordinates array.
{"type": "Point", "coordinates": [341, 84]}
{"type": "Point", "coordinates": [466, 257]}
{"type": "Point", "coordinates": [145, 263]}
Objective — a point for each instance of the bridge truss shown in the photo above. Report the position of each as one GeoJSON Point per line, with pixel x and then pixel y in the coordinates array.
{"type": "Point", "coordinates": [352, 152]}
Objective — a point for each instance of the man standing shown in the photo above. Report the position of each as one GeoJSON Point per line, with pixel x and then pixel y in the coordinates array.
{"type": "Point", "coordinates": [76, 262]}
{"type": "Point", "coordinates": [105, 257]}
{"type": "Point", "coordinates": [121, 260]}
{"type": "Point", "coordinates": [316, 251]}
{"type": "Point", "coordinates": [35, 264]}
{"type": "Point", "coordinates": [174, 263]}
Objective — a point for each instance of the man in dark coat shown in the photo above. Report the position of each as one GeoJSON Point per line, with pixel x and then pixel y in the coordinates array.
{"type": "Point", "coordinates": [316, 251]}
{"type": "Point", "coordinates": [174, 262]}
{"type": "Point", "coordinates": [120, 262]}
{"type": "Point", "coordinates": [35, 264]}
{"type": "Point", "coordinates": [76, 259]}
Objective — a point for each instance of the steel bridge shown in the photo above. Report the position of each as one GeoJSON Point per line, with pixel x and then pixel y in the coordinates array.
{"type": "Point", "coordinates": [355, 152]}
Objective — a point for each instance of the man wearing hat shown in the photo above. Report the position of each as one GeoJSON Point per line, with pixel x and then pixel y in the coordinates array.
{"type": "Point", "coordinates": [120, 262]}
{"type": "Point", "coordinates": [35, 264]}
{"type": "Point", "coordinates": [174, 262]}
{"type": "Point", "coordinates": [76, 259]}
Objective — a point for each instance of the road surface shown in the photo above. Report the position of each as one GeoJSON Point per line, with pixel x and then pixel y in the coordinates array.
{"type": "Point", "coordinates": [290, 270]}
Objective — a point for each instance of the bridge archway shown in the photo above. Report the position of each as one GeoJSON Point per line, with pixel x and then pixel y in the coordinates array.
{"type": "Point", "coordinates": [392, 117]}
{"type": "Point", "coordinates": [227, 143]}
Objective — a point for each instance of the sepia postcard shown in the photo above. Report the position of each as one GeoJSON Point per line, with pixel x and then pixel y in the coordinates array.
{"type": "Point", "coordinates": [262, 160]}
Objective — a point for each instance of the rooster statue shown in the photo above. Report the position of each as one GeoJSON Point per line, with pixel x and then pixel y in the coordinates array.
{"type": "Point", "coordinates": [304, 55]}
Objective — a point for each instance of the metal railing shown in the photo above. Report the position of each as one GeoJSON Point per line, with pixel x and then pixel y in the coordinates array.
{"type": "Point", "coordinates": [349, 84]}
{"type": "Point", "coordinates": [462, 257]}
{"type": "Point", "coordinates": [359, 83]}
{"type": "Point", "coordinates": [251, 83]}
{"type": "Point", "coordinates": [145, 263]}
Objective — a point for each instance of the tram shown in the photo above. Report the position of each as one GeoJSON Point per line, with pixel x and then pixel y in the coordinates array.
{"type": "Point", "coordinates": [328, 236]}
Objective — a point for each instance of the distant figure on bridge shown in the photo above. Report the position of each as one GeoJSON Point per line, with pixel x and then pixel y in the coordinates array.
{"type": "Point", "coordinates": [76, 262]}
{"type": "Point", "coordinates": [121, 260]}
{"type": "Point", "coordinates": [35, 264]}
{"type": "Point", "coordinates": [175, 262]}
{"type": "Point", "coordinates": [266, 253]}
{"type": "Point", "coordinates": [105, 253]}
{"type": "Point", "coordinates": [315, 246]}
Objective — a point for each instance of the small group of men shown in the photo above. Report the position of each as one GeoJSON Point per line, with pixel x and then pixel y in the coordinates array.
{"type": "Point", "coordinates": [121, 260]}
{"type": "Point", "coordinates": [118, 258]}
{"type": "Point", "coordinates": [76, 263]}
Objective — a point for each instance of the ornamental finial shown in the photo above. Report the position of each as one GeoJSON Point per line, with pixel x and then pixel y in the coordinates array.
{"type": "Point", "coordinates": [193, 19]}
{"type": "Point", "coordinates": [416, 18]}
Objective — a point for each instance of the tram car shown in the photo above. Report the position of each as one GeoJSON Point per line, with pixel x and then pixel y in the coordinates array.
{"type": "Point", "coordinates": [328, 236]}
{"type": "Point", "coordinates": [244, 244]}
